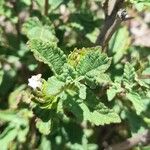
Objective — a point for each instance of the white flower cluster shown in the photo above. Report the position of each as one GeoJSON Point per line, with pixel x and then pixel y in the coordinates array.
{"type": "Point", "coordinates": [35, 81]}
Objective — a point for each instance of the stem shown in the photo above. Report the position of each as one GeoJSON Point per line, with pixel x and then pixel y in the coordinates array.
{"type": "Point", "coordinates": [142, 138]}
{"type": "Point", "coordinates": [46, 8]}
{"type": "Point", "coordinates": [111, 22]}
{"type": "Point", "coordinates": [146, 76]}
{"type": "Point", "coordinates": [17, 25]}
{"type": "Point", "coordinates": [31, 7]}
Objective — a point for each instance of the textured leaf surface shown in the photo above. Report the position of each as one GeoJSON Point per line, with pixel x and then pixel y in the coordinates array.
{"type": "Point", "coordinates": [136, 101]}
{"type": "Point", "coordinates": [78, 54]}
{"type": "Point", "coordinates": [49, 54]}
{"type": "Point", "coordinates": [90, 64]}
{"type": "Point", "coordinates": [18, 127]}
{"type": "Point", "coordinates": [113, 90]}
{"type": "Point", "coordinates": [53, 86]}
{"type": "Point", "coordinates": [111, 93]}
{"type": "Point", "coordinates": [34, 29]}
{"type": "Point", "coordinates": [129, 76]}
{"type": "Point", "coordinates": [93, 61]}
{"type": "Point", "coordinates": [136, 122]}
{"type": "Point", "coordinates": [146, 72]}
{"type": "Point", "coordinates": [100, 116]}
{"type": "Point", "coordinates": [119, 43]}
{"type": "Point", "coordinates": [73, 106]}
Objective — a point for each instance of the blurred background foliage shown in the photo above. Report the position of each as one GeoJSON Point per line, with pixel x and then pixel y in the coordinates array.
{"type": "Point", "coordinates": [71, 24]}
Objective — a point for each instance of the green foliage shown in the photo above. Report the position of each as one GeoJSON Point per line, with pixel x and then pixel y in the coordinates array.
{"type": "Point", "coordinates": [18, 127]}
{"type": "Point", "coordinates": [48, 53]}
{"type": "Point", "coordinates": [136, 101]}
{"type": "Point", "coordinates": [140, 4]}
{"type": "Point", "coordinates": [129, 76]}
{"type": "Point", "coordinates": [113, 90]}
{"type": "Point", "coordinates": [59, 90]}
{"type": "Point", "coordinates": [34, 29]}
{"type": "Point", "coordinates": [119, 44]}
{"type": "Point", "coordinates": [101, 115]}
{"type": "Point", "coordinates": [91, 64]}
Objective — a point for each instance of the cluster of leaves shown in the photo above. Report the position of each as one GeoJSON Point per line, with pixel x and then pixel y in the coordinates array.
{"type": "Point", "coordinates": [84, 91]}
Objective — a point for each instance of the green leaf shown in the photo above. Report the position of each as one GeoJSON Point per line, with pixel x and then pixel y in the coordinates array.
{"type": "Point", "coordinates": [100, 116]}
{"type": "Point", "coordinates": [18, 126]}
{"type": "Point", "coordinates": [54, 3]}
{"type": "Point", "coordinates": [93, 62]}
{"type": "Point", "coordinates": [71, 105]}
{"type": "Point", "coordinates": [45, 144]}
{"type": "Point", "coordinates": [54, 89]}
{"type": "Point", "coordinates": [96, 112]}
{"type": "Point", "coordinates": [90, 64]}
{"type": "Point", "coordinates": [82, 91]}
{"type": "Point", "coordinates": [140, 4]}
{"type": "Point", "coordinates": [7, 136]}
{"type": "Point", "coordinates": [145, 147]}
{"type": "Point", "coordinates": [44, 127]}
{"type": "Point", "coordinates": [53, 86]}
{"type": "Point", "coordinates": [16, 94]}
{"type": "Point", "coordinates": [111, 93]}
{"type": "Point", "coordinates": [113, 90]}
{"type": "Point", "coordinates": [27, 2]}
{"type": "Point", "coordinates": [97, 79]}
{"type": "Point", "coordinates": [34, 29]}
{"type": "Point", "coordinates": [49, 54]}
{"type": "Point", "coordinates": [146, 72]}
{"type": "Point", "coordinates": [119, 44]}
{"type": "Point", "coordinates": [10, 116]}
{"type": "Point", "coordinates": [136, 101]}
{"type": "Point", "coordinates": [136, 122]}
{"type": "Point", "coordinates": [129, 76]}
{"type": "Point", "coordinates": [69, 73]}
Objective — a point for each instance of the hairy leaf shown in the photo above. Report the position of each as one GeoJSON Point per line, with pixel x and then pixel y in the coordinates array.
{"type": "Point", "coordinates": [71, 105]}
{"type": "Point", "coordinates": [119, 43]}
{"type": "Point", "coordinates": [34, 29]}
{"type": "Point", "coordinates": [93, 62]}
{"type": "Point", "coordinates": [136, 122]}
{"type": "Point", "coordinates": [49, 54]}
{"type": "Point", "coordinates": [100, 116]}
{"type": "Point", "coordinates": [129, 76]}
{"type": "Point", "coordinates": [136, 101]}
{"type": "Point", "coordinates": [78, 54]}
{"type": "Point", "coordinates": [53, 86]}
{"type": "Point", "coordinates": [113, 90]}
{"type": "Point", "coordinates": [96, 112]}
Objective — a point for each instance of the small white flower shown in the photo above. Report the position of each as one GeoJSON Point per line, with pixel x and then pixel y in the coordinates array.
{"type": "Point", "coordinates": [35, 81]}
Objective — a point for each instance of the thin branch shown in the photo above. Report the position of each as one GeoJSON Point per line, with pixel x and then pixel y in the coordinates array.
{"type": "Point", "coordinates": [140, 138]}
{"type": "Point", "coordinates": [17, 25]}
{"type": "Point", "coordinates": [31, 7]}
{"type": "Point", "coordinates": [46, 7]}
{"type": "Point", "coordinates": [146, 76]}
{"type": "Point", "coordinates": [111, 23]}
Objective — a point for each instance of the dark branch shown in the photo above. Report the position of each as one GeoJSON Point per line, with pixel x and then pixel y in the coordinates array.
{"type": "Point", "coordinates": [112, 21]}
{"type": "Point", "coordinates": [140, 138]}
{"type": "Point", "coordinates": [46, 8]}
